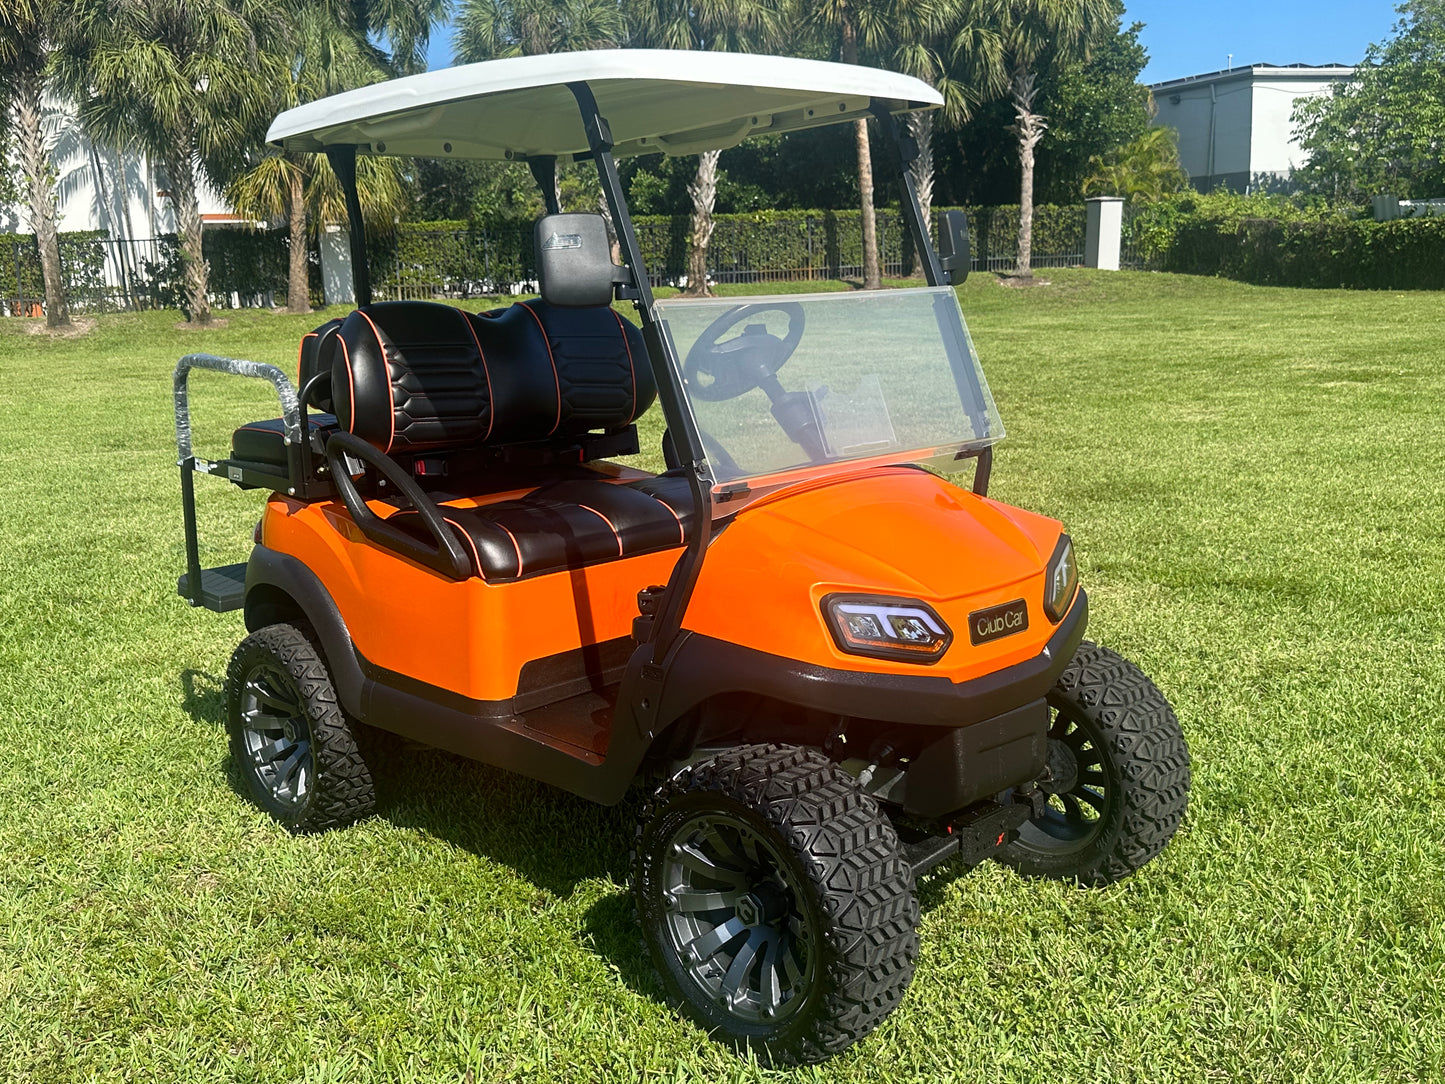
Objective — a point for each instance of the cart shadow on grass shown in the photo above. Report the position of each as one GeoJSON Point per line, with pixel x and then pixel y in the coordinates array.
{"type": "Point", "coordinates": [554, 839]}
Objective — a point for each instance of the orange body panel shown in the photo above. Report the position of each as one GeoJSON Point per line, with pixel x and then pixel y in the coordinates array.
{"type": "Point", "coordinates": [891, 531]}
{"type": "Point", "coordinates": [894, 531]}
{"type": "Point", "coordinates": [469, 637]}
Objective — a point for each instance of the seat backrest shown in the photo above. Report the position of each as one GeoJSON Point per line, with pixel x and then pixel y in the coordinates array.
{"type": "Point", "coordinates": [413, 377]}
{"type": "Point", "coordinates": [313, 356]}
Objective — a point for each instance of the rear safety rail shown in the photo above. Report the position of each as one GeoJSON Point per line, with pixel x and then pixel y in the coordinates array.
{"type": "Point", "coordinates": [222, 589]}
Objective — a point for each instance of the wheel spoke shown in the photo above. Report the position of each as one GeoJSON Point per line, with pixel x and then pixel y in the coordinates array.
{"type": "Point", "coordinates": [701, 864]}
{"type": "Point", "coordinates": [289, 769]}
{"type": "Point", "coordinates": [723, 839]}
{"type": "Point", "coordinates": [743, 962]}
{"type": "Point", "coordinates": [284, 706]}
{"type": "Point", "coordinates": [707, 901]}
{"type": "Point", "coordinates": [1072, 810]}
{"type": "Point", "coordinates": [271, 751]}
{"type": "Point", "coordinates": [709, 944]}
{"type": "Point", "coordinates": [1093, 779]}
{"type": "Point", "coordinates": [771, 984]}
{"type": "Point", "coordinates": [1091, 796]}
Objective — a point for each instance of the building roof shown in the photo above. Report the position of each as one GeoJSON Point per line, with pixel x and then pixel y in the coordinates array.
{"type": "Point", "coordinates": [674, 101]}
{"type": "Point", "coordinates": [1260, 71]}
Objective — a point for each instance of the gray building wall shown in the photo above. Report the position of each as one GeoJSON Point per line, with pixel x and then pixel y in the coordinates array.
{"type": "Point", "coordinates": [1234, 126]}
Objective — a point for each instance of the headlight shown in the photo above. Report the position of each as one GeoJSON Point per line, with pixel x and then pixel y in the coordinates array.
{"type": "Point", "coordinates": [1062, 579]}
{"type": "Point", "coordinates": [887, 628]}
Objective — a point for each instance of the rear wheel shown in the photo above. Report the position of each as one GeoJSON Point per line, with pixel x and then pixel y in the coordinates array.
{"type": "Point", "coordinates": [1117, 783]}
{"type": "Point", "coordinates": [289, 737]}
{"type": "Point", "coordinates": [775, 902]}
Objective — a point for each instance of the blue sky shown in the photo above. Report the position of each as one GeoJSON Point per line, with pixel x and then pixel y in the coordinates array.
{"type": "Point", "coordinates": [1187, 37]}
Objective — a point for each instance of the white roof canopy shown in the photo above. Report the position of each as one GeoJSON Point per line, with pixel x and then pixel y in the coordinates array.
{"type": "Point", "coordinates": [673, 101]}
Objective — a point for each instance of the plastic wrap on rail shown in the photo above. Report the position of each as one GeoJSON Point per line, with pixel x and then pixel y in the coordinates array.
{"type": "Point", "coordinates": [285, 390]}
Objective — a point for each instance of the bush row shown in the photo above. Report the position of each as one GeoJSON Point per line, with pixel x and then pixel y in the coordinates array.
{"type": "Point", "coordinates": [461, 259]}
{"type": "Point", "coordinates": [102, 275]}
{"type": "Point", "coordinates": [1274, 241]}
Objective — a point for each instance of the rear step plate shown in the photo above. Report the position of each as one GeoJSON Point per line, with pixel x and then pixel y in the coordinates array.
{"type": "Point", "coordinates": [222, 589]}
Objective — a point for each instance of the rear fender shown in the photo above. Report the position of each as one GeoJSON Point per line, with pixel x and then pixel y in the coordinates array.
{"type": "Point", "coordinates": [280, 588]}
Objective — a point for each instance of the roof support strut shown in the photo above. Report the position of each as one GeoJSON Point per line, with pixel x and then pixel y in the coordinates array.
{"type": "Point", "coordinates": [343, 164]}
{"type": "Point", "coordinates": [667, 625]}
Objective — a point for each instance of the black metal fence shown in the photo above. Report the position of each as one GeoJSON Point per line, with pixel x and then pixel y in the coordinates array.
{"type": "Point", "coordinates": [103, 274]}
{"type": "Point", "coordinates": [249, 268]}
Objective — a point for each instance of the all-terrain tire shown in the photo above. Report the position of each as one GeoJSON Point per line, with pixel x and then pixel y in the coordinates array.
{"type": "Point", "coordinates": [846, 908]}
{"type": "Point", "coordinates": [1117, 734]}
{"type": "Point", "coordinates": [292, 743]}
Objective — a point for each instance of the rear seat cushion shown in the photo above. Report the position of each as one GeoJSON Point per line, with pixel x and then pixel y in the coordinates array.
{"type": "Point", "coordinates": [265, 441]}
{"type": "Point", "coordinates": [567, 525]}
{"type": "Point", "coordinates": [413, 376]}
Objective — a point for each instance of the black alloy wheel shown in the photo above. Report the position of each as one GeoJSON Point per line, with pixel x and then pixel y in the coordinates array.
{"type": "Point", "coordinates": [290, 740]}
{"type": "Point", "coordinates": [1117, 775]}
{"type": "Point", "coordinates": [775, 902]}
{"type": "Point", "coordinates": [733, 913]}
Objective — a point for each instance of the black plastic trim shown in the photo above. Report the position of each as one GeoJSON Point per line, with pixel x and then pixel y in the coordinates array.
{"type": "Point", "coordinates": [291, 577]}
{"type": "Point", "coordinates": [704, 667]}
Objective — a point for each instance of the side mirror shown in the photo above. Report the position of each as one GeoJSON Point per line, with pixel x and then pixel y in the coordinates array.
{"type": "Point", "coordinates": [574, 261]}
{"type": "Point", "coordinates": [955, 254]}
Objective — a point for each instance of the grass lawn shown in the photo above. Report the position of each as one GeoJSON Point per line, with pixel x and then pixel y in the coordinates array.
{"type": "Point", "coordinates": [1253, 481]}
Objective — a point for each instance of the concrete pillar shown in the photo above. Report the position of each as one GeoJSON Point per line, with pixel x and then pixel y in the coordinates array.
{"type": "Point", "coordinates": [1102, 230]}
{"type": "Point", "coordinates": [335, 248]}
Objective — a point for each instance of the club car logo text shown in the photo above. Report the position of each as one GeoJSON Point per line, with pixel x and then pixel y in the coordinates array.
{"type": "Point", "coordinates": [996, 621]}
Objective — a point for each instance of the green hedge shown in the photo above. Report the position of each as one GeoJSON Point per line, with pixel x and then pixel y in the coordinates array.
{"type": "Point", "coordinates": [462, 259]}
{"type": "Point", "coordinates": [1281, 241]}
{"type": "Point", "coordinates": [145, 273]}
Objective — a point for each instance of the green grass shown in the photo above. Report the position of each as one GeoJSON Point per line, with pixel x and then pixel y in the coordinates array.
{"type": "Point", "coordinates": [1253, 479]}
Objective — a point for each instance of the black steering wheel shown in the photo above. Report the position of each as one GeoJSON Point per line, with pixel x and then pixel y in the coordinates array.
{"type": "Point", "coordinates": [717, 370]}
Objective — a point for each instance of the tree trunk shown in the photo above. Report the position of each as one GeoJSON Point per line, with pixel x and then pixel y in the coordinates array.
{"type": "Point", "coordinates": [703, 191]}
{"type": "Point", "coordinates": [920, 127]}
{"type": "Point", "coordinates": [298, 277]}
{"type": "Point", "coordinates": [1029, 127]}
{"type": "Point", "coordinates": [195, 271]}
{"type": "Point", "coordinates": [35, 163]}
{"type": "Point", "coordinates": [872, 278]}
{"type": "Point", "coordinates": [872, 275]}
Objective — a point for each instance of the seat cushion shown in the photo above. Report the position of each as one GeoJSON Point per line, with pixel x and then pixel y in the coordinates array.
{"type": "Point", "coordinates": [265, 441]}
{"type": "Point", "coordinates": [567, 525]}
{"type": "Point", "coordinates": [414, 377]}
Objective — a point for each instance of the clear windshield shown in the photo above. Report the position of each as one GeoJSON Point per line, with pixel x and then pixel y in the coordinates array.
{"type": "Point", "coordinates": [786, 387]}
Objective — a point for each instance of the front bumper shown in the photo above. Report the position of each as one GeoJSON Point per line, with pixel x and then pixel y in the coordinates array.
{"type": "Point", "coordinates": [704, 667]}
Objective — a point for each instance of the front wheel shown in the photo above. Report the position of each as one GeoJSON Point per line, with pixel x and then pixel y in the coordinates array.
{"type": "Point", "coordinates": [1117, 781]}
{"type": "Point", "coordinates": [775, 902]}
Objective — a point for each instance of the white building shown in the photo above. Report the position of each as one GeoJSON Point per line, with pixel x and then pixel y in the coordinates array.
{"type": "Point", "coordinates": [101, 188]}
{"type": "Point", "coordinates": [1234, 125]}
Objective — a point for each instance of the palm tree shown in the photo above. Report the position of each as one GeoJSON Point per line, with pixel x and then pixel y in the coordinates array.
{"type": "Point", "coordinates": [491, 29]}
{"type": "Point", "coordinates": [26, 40]}
{"type": "Point", "coordinates": [738, 26]}
{"type": "Point", "coordinates": [188, 82]}
{"type": "Point", "coordinates": [328, 50]}
{"type": "Point", "coordinates": [850, 28]}
{"type": "Point", "coordinates": [1143, 171]}
{"type": "Point", "coordinates": [950, 47]}
{"type": "Point", "coordinates": [1033, 34]}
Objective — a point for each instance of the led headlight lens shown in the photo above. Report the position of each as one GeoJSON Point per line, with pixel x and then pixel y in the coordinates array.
{"type": "Point", "coordinates": [1062, 580]}
{"type": "Point", "coordinates": [887, 628]}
